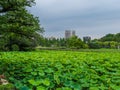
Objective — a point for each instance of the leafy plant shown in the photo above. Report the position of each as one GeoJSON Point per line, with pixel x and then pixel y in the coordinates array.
{"type": "Point", "coordinates": [62, 70]}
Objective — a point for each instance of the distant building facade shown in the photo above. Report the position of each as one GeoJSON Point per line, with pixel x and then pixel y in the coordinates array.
{"type": "Point", "coordinates": [73, 33]}
{"type": "Point", "coordinates": [87, 39]}
{"type": "Point", "coordinates": [69, 33]}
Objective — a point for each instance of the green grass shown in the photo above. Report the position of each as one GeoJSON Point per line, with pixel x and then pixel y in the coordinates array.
{"type": "Point", "coordinates": [62, 70]}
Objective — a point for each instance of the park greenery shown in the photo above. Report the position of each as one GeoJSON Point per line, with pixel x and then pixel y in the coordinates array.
{"type": "Point", "coordinates": [95, 66]}
{"type": "Point", "coordinates": [62, 70]}
{"type": "Point", "coordinates": [19, 30]}
{"type": "Point", "coordinates": [109, 41]}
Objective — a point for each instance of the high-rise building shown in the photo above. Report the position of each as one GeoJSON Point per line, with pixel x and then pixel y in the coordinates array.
{"type": "Point", "coordinates": [69, 33]}
{"type": "Point", "coordinates": [73, 33]}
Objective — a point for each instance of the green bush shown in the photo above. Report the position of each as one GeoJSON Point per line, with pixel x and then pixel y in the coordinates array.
{"type": "Point", "coordinates": [15, 47]}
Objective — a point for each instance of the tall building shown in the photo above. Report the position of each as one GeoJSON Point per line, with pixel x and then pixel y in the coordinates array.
{"type": "Point", "coordinates": [73, 33]}
{"type": "Point", "coordinates": [69, 33]}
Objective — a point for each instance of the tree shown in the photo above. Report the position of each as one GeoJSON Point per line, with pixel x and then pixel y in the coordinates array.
{"type": "Point", "coordinates": [17, 25]}
{"type": "Point", "coordinates": [12, 5]}
{"type": "Point", "coordinates": [117, 37]}
{"type": "Point", "coordinates": [113, 44]}
{"type": "Point", "coordinates": [95, 44]}
{"type": "Point", "coordinates": [74, 42]}
{"type": "Point", "coordinates": [108, 37]}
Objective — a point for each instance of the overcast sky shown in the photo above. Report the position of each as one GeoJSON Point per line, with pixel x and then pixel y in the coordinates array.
{"type": "Point", "coordinates": [93, 18]}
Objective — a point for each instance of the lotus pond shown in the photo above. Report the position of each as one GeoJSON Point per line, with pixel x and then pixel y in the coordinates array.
{"type": "Point", "coordinates": [62, 70]}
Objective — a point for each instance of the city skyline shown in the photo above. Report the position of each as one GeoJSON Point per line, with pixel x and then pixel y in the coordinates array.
{"type": "Point", "coordinates": [88, 18]}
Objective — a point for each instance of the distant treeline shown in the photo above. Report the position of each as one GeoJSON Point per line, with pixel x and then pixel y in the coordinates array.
{"type": "Point", "coordinates": [111, 41]}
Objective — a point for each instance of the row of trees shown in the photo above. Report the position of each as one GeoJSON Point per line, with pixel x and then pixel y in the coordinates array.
{"type": "Point", "coordinates": [108, 41]}
{"type": "Point", "coordinates": [106, 44]}
{"type": "Point", "coordinates": [73, 42]}
{"type": "Point", "coordinates": [111, 37]}
{"type": "Point", "coordinates": [19, 30]}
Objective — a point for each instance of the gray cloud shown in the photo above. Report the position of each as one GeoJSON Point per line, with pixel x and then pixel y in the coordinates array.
{"type": "Point", "coordinates": [93, 18]}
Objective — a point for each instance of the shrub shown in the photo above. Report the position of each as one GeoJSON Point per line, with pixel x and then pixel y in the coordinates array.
{"type": "Point", "coordinates": [15, 47]}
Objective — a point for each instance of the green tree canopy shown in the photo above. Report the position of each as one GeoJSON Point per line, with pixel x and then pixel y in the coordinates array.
{"type": "Point", "coordinates": [12, 5]}
{"type": "Point", "coordinates": [17, 25]}
{"type": "Point", "coordinates": [74, 42]}
{"type": "Point", "coordinates": [111, 37]}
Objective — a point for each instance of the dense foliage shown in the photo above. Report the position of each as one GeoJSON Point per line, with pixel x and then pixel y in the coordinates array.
{"type": "Point", "coordinates": [111, 37]}
{"type": "Point", "coordinates": [12, 5]}
{"type": "Point", "coordinates": [111, 41]}
{"type": "Point", "coordinates": [62, 70]}
{"type": "Point", "coordinates": [18, 27]}
{"type": "Point", "coordinates": [73, 42]}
